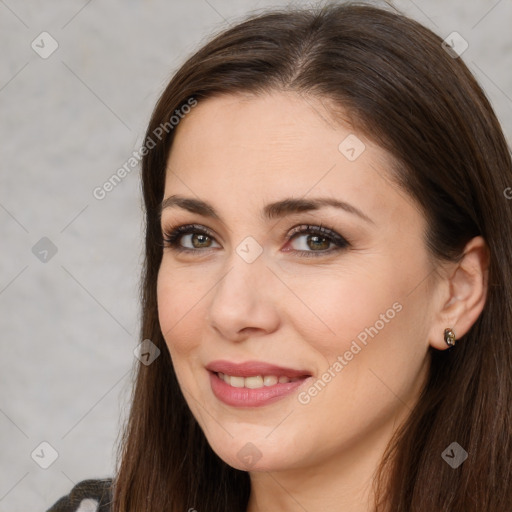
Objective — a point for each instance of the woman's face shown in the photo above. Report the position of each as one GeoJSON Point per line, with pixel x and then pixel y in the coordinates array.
{"type": "Point", "coordinates": [322, 336]}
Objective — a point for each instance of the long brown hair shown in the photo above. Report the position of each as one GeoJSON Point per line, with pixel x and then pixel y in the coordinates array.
{"type": "Point", "coordinates": [404, 91]}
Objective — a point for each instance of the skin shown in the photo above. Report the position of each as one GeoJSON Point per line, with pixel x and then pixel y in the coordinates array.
{"type": "Point", "coordinates": [240, 152]}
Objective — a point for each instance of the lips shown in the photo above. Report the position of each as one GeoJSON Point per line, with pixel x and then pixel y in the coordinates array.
{"type": "Point", "coordinates": [255, 368]}
{"type": "Point", "coordinates": [253, 383]}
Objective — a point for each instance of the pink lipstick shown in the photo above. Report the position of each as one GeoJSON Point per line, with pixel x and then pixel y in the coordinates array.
{"type": "Point", "coordinates": [253, 383]}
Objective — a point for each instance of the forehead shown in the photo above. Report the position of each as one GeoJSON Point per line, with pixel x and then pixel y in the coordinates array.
{"type": "Point", "coordinates": [269, 122]}
{"type": "Point", "coordinates": [281, 132]}
{"type": "Point", "coordinates": [243, 148]}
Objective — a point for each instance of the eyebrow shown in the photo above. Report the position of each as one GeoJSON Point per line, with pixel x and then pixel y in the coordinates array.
{"type": "Point", "coordinates": [271, 211]}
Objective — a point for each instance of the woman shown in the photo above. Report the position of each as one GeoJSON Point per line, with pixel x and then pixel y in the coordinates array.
{"type": "Point", "coordinates": [326, 290]}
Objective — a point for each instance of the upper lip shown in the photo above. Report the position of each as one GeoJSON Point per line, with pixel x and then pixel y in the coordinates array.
{"type": "Point", "coordinates": [253, 368]}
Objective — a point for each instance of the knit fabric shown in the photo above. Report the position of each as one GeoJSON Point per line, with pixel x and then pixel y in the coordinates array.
{"type": "Point", "coordinates": [86, 496]}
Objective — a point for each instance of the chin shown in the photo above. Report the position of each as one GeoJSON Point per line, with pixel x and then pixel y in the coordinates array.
{"type": "Point", "coordinates": [257, 455]}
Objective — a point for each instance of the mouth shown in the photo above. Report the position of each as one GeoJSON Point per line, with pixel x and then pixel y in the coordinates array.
{"type": "Point", "coordinates": [256, 381]}
{"type": "Point", "coordinates": [253, 384]}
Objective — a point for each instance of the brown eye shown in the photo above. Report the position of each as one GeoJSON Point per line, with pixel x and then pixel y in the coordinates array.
{"type": "Point", "coordinates": [316, 241]}
{"type": "Point", "coordinates": [189, 237]}
{"type": "Point", "coordinates": [313, 242]}
{"type": "Point", "coordinates": [198, 240]}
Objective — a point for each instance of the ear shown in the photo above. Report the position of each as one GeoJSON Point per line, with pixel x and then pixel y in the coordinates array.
{"type": "Point", "coordinates": [464, 292]}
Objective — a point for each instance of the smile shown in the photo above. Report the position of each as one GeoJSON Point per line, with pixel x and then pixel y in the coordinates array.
{"type": "Point", "coordinates": [256, 382]}
{"type": "Point", "coordinates": [260, 395]}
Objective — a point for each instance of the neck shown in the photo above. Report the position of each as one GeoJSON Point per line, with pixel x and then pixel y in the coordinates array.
{"type": "Point", "coordinates": [342, 481]}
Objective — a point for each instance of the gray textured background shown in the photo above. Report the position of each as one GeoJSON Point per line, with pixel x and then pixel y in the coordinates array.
{"type": "Point", "coordinates": [69, 325]}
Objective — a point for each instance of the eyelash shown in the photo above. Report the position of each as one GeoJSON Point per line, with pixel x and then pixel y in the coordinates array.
{"type": "Point", "coordinates": [172, 238]}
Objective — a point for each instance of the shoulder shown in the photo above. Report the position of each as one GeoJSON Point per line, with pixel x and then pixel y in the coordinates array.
{"type": "Point", "coordinates": [86, 496]}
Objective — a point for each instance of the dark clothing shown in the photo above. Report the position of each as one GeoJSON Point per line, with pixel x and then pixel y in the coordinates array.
{"type": "Point", "coordinates": [86, 496]}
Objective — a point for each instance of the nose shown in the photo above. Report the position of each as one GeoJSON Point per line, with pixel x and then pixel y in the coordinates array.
{"type": "Point", "coordinates": [243, 303]}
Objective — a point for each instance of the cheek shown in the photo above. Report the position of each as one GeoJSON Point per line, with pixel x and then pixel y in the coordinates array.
{"type": "Point", "coordinates": [179, 309]}
{"type": "Point", "coordinates": [375, 355]}
{"type": "Point", "coordinates": [380, 344]}
{"type": "Point", "coordinates": [374, 324]}
{"type": "Point", "coordinates": [343, 306]}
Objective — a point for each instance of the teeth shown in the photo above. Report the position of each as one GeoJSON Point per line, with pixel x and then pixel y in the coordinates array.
{"type": "Point", "coordinates": [255, 382]}
{"type": "Point", "coordinates": [252, 382]}
{"type": "Point", "coordinates": [270, 380]}
{"type": "Point", "coordinates": [237, 382]}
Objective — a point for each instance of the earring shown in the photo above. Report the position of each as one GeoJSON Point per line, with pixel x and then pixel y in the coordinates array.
{"type": "Point", "coordinates": [449, 337]}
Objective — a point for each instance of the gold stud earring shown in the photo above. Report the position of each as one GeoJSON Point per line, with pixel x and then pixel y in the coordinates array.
{"type": "Point", "coordinates": [449, 337]}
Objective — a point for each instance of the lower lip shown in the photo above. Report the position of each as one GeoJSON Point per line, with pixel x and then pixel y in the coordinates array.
{"type": "Point", "coordinates": [245, 397]}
